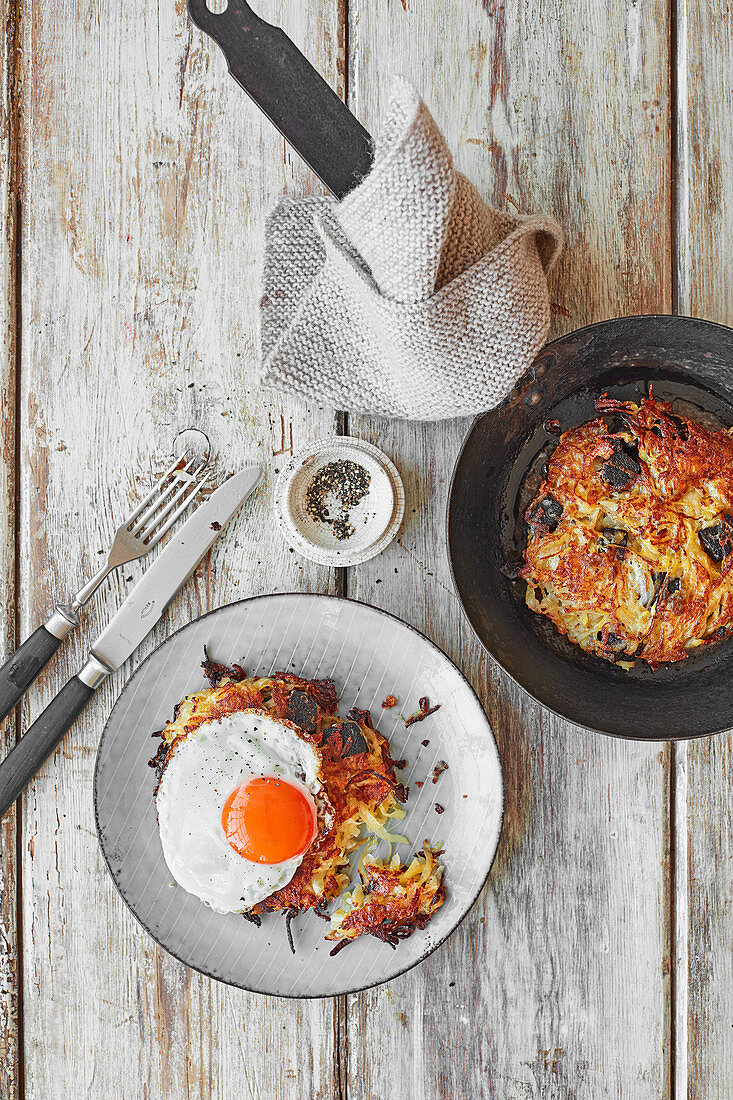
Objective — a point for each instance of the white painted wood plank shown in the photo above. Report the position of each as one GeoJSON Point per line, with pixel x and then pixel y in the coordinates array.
{"type": "Point", "coordinates": [146, 174]}
{"type": "Point", "coordinates": [556, 985]}
{"type": "Point", "coordinates": [704, 895]}
{"type": "Point", "coordinates": [9, 1078]}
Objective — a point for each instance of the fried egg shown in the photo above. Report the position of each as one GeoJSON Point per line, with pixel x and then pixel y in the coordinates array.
{"type": "Point", "coordinates": [238, 806]}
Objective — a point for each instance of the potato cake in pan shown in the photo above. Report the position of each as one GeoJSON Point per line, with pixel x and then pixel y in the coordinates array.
{"type": "Point", "coordinates": [630, 543]}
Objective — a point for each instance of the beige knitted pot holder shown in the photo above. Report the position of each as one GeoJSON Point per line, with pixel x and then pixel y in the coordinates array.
{"type": "Point", "coordinates": [411, 298]}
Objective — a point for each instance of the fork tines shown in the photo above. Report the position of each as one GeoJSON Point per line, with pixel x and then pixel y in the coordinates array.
{"type": "Point", "coordinates": [169, 498]}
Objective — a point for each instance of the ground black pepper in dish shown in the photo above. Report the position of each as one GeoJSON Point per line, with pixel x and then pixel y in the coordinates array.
{"type": "Point", "coordinates": [344, 481]}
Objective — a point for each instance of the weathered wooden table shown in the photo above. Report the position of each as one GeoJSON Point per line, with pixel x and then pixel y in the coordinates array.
{"type": "Point", "coordinates": [135, 177]}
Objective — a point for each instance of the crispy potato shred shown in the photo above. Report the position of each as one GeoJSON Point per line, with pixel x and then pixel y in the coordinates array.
{"type": "Point", "coordinates": [631, 534]}
{"type": "Point", "coordinates": [360, 782]}
{"type": "Point", "coordinates": [392, 899]}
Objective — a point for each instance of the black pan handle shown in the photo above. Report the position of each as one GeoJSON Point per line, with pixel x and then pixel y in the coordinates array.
{"type": "Point", "coordinates": [296, 98]}
{"type": "Point", "coordinates": [20, 670]}
{"type": "Point", "coordinates": [37, 744]}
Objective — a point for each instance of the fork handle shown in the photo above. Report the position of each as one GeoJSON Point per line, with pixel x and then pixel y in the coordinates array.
{"type": "Point", "coordinates": [20, 670]}
{"type": "Point", "coordinates": [37, 744]}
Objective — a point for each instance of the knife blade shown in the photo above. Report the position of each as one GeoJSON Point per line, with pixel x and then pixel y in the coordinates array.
{"type": "Point", "coordinates": [171, 569]}
{"type": "Point", "coordinates": [293, 95]}
{"type": "Point", "coordinates": [127, 628]}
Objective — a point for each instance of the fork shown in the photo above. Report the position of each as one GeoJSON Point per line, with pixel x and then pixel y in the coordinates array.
{"type": "Point", "coordinates": [144, 528]}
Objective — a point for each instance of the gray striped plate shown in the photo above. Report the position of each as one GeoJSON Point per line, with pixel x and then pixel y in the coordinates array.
{"type": "Point", "coordinates": [369, 654]}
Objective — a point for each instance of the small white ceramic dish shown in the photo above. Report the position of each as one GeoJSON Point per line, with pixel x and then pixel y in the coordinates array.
{"type": "Point", "coordinates": [375, 519]}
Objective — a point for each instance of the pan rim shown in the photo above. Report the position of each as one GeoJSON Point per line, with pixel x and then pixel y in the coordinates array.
{"type": "Point", "coordinates": [573, 333]}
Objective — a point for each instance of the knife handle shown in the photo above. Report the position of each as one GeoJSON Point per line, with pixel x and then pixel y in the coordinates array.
{"type": "Point", "coordinates": [20, 670]}
{"type": "Point", "coordinates": [294, 96]}
{"type": "Point", "coordinates": [37, 744]}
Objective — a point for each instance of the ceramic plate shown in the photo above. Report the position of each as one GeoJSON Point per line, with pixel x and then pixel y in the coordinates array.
{"type": "Point", "coordinates": [369, 654]}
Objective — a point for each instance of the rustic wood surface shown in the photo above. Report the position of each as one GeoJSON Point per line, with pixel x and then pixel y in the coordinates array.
{"type": "Point", "coordinates": [704, 800]}
{"type": "Point", "coordinates": [577, 901]}
{"type": "Point", "coordinates": [135, 176]}
{"type": "Point", "coordinates": [144, 176]}
{"type": "Point", "coordinates": [9, 956]}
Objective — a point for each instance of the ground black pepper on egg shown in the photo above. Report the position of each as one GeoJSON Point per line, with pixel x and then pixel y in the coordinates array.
{"type": "Point", "coordinates": [348, 483]}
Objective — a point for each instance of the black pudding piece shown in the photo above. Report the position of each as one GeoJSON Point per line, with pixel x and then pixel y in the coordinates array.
{"type": "Point", "coordinates": [352, 739]}
{"type": "Point", "coordinates": [545, 515]}
{"type": "Point", "coordinates": [615, 536]}
{"type": "Point", "coordinates": [683, 432]}
{"type": "Point", "coordinates": [622, 468]}
{"type": "Point", "coordinates": [302, 711]}
{"type": "Point", "coordinates": [717, 541]}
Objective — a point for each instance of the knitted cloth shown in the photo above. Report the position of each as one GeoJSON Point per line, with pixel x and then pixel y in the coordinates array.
{"type": "Point", "coordinates": [411, 297]}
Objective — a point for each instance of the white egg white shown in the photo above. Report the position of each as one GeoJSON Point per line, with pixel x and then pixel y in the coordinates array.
{"type": "Point", "coordinates": [202, 771]}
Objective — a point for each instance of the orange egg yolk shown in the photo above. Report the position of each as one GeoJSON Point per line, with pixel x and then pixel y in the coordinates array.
{"type": "Point", "coordinates": [269, 820]}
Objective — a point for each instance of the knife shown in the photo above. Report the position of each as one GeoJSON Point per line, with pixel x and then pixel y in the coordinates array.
{"type": "Point", "coordinates": [283, 84]}
{"type": "Point", "coordinates": [133, 622]}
